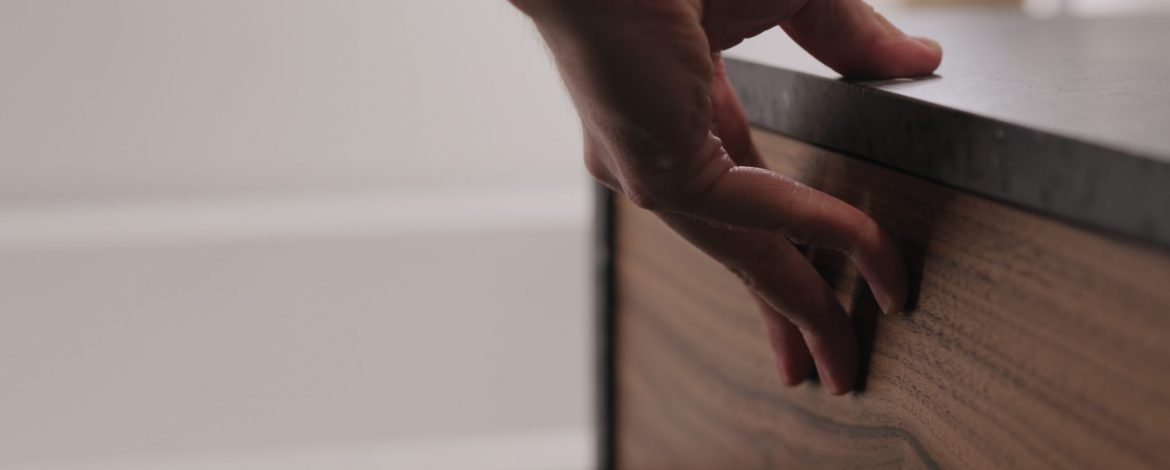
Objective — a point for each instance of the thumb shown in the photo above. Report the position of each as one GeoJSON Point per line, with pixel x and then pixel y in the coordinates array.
{"type": "Point", "coordinates": [856, 41]}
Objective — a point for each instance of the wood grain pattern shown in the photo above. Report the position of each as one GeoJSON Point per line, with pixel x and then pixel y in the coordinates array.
{"type": "Point", "coordinates": [1031, 344]}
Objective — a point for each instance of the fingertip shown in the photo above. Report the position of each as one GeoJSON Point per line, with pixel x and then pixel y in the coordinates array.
{"type": "Point", "coordinates": [792, 370]}
{"type": "Point", "coordinates": [790, 356]}
{"type": "Point", "coordinates": [885, 301]}
{"type": "Point", "coordinates": [892, 298]}
{"type": "Point", "coordinates": [789, 378]}
{"type": "Point", "coordinates": [932, 58]}
{"type": "Point", "coordinates": [838, 379]}
{"type": "Point", "coordinates": [900, 57]}
{"type": "Point", "coordinates": [837, 392]}
{"type": "Point", "coordinates": [929, 43]}
{"type": "Point", "coordinates": [835, 384]}
{"type": "Point", "coordinates": [881, 263]}
{"type": "Point", "coordinates": [899, 293]}
{"type": "Point", "coordinates": [887, 309]}
{"type": "Point", "coordinates": [864, 45]}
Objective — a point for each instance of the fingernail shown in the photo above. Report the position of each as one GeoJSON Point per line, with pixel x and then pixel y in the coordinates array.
{"type": "Point", "coordinates": [928, 42]}
{"type": "Point", "coordinates": [830, 384]}
{"type": "Point", "coordinates": [789, 378]}
{"type": "Point", "coordinates": [884, 301]}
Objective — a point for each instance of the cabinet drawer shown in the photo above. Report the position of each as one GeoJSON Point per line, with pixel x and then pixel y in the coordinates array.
{"type": "Point", "coordinates": [1030, 342]}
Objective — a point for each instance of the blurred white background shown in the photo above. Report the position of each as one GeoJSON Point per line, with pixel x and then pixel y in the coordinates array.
{"type": "Point", "coordinates": [275, 234]}
{"type": "Point", "coordinates": [288, 234]}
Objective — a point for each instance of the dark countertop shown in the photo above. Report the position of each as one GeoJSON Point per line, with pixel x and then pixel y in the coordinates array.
{"type": "Point", "coordinates": [1069, 116]}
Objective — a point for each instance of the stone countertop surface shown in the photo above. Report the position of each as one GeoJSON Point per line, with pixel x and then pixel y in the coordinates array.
{"type": "Point", "coordinates": [1069, 117]}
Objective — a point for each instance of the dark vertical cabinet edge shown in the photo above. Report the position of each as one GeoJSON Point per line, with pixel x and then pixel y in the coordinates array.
{"type": "Point", "coordinates": [603, 266]}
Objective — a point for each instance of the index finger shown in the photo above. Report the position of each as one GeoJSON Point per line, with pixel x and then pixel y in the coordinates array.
{"type": "Point", "coordinates": [853, 39]}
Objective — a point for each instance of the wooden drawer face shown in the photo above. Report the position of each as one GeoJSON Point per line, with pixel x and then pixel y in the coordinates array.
{"type": "Point", "coordinates": [1032, 343]}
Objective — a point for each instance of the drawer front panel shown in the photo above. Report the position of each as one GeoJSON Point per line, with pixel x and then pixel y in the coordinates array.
{"type": "Point", "coordinates": [1031, 342]}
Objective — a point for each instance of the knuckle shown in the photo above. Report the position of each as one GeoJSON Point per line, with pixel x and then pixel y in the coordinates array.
{"type": "Point", "coordinates": [728, 34]}
{"type": "Point", "coordinates": [677, 187]}
{"type": "Point", "coordinates": [655, 194]}
{"type": "Point", "coordinates": [660, 178]}
{"type": "Point", "coordinates": [597, 168]}
{"type": "Point", "coordinates": [645, 198]}
{"type": "Point", "coordinates": [659, 196]}
{"type": "Point", "coordinates": [727, 25]}
{"type": "Point", "coordinates": [865, 230]}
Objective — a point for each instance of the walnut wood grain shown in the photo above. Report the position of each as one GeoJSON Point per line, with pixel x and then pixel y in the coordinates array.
{"type": "Point", "coordinates": [1031, 343]}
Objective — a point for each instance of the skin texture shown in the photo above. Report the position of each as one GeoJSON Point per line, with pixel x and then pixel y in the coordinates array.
{"type": "Point", "coordinates": [663, 127]}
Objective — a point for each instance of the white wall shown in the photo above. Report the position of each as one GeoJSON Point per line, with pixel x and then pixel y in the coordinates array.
{"type": "Point", "coordinates": [288, 234]}
{"type": "Point", "coordinates": [140, 98]}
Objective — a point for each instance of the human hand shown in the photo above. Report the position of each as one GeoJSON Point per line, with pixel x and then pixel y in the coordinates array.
{"type": "Point", "coordinates": [663, 126]}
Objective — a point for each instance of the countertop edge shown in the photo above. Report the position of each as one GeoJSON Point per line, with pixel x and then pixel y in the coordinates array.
{"type": "Point", "coordinates": [1076, 180]}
